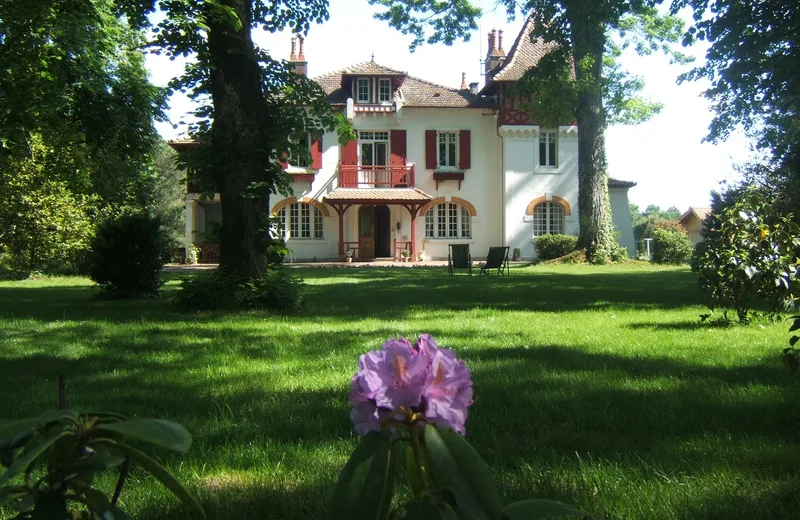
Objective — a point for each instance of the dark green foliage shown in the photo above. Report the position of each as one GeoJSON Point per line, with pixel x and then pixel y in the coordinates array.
{"type": "Point", "coordinates": [43, 225]}
{"type": "Point", "coordinates": [276, 290]}
{"type": "Point", "coordinates": [751, 256]}
{"type": "Point", "coordinates": [127, 254]}
{"type": "Point", "coordinates": [671, 247]}
{"type": "Point", "coordinates": [78, 448]}
{"type": "Point", "coordinates": [644, 222]}
{"type": "Point", "coordinates": [554, 246]}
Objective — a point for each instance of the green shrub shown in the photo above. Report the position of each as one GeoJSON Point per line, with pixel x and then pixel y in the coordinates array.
{"type": "Point", "coordinates": [554, 246]}
{"type": "Point", "coordinates": [127, 254]}
{"type": "Point", "coordinates": [671, 247]}
{"type": "Point", "coordinates": [751, 256]}
{"type": "Point", "coordinates": [44, 227]}
{"type": "Point", "coordinates": [275, 290]}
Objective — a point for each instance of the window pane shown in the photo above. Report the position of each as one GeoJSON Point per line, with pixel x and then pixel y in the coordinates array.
{"type": "Point", "coordinates": [366, 154]}
{"type": "Point", "coordinates": [363, 90]}
{"type": "Point", "coordinates": [317, 223]}
{"type": "Point", "coordinates": [551, 151]}
{"type": "Point", "coordinates": [452, 221]}
{"type": "Point", "coordinates": [442, 153]}
{"type": "Point", "coordinates": [429, 223]}
{"type": "Point", "coordinates": [294, 224]}
{"type": "Point", "coordinates": [441, 229]}
{"type": "Point", "coordinates": [451, 153]}
{"type": "Point", "coordinates": [380, 154]}
{"type": "Point", "coordinates": [305, 221]}
{"type": "Point", "coordinates": [542, 151]}
{"type": "Point", "coordinates": [465, 224]}
{"type": "Point", "coordinates": [384, 90]}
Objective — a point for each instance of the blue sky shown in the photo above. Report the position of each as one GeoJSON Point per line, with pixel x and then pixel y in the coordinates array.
{"type": "Point", "coordinates": [664, 156]}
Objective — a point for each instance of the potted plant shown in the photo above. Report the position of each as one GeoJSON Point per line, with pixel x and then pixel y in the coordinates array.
{"type": "Point", "coordinates": [348, 256]}
{"type": "Point", "coordinates": [516, 255]}
{"type": "Point", "coordinates": [405, 254]}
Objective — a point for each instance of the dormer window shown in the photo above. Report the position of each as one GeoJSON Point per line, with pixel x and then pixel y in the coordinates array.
{"type": "Point", "coordinates": [384, 90]}
{"type": "Point", "coordinates": [362, 90]}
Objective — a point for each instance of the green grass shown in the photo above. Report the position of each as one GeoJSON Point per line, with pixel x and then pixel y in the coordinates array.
{"type": "Point", "coordinates": [597, 386]}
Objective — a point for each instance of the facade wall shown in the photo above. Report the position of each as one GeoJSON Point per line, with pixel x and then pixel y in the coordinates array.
{"type": "Point", "coordinates": [525, 180]}
{"type": "Point", "coordinates": [481, 186]}
{"type": "Point", "coordinates": [621, 218]}
{"type": "Point", "coordinates": [693, 227]}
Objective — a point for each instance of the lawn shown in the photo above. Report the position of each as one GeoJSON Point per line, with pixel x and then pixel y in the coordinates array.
{"type": "Point", "coordinates": [597, 386]}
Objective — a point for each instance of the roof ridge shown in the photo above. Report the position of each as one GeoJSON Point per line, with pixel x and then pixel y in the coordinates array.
{"type": "Point", "coordinates": [440, 85]}
{"type": "Point", "coordinates": [511, 57]}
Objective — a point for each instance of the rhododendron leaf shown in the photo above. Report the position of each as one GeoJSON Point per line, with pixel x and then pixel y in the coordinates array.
{"type": "Point", "coordinates": [412, 472]}
{"type": "Point", "coordinates": [474, 469]}
{"type": "Point", "coordinates": [362, 485]}
{"type": "Point", "coordinates": [448, 475]}
{"type": "Point", "coordinates": [423, 509]}
{"type": "Point", "coordinates": [536, 509]}
{"type": "Point", "coordinates": [160, 432]}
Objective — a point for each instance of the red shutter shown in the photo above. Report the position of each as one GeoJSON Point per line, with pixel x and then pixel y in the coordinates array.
{"type": "Point", "coordinates": [398, 138]}
{"type": "Point", "coordinates": [316, 150]}
{"type": "Point", "coordinates": [430, 150]}
{"type": "Point", "coordinates": [350, 153]}
{"type": "Point", "coordinates": [464, 151]}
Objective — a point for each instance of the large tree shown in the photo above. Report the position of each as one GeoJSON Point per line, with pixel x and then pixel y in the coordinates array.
{"type": "Point", "coordinates": [591, 35]}
{"type": "Point", "coordinates": [254, 109]}
{"type": "Point", "coordinates": [753, 66]}
{"type": "Point", "coordinates": [73, 81]}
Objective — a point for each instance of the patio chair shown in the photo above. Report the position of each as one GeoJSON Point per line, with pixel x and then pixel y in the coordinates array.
{"type": "Point", "coordinates": [497, 259]}
{"type": "Point", "coordinates": [458, 257]}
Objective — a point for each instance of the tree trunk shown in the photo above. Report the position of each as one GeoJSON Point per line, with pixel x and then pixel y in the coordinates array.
{"type": "Point", "coordinates": [588, 40]}
{"type": "Point", "coordinates": [241, 158]}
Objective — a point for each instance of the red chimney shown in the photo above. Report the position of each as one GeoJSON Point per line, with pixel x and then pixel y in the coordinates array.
{"type": "Point", "coordinates": [464, 81]}
{"type": "Point", "coordinates": [297, 59]}
{"type": "Point", "coordinates": [500, 43]}
{"type": "Point", "coordinates": [491, 43]}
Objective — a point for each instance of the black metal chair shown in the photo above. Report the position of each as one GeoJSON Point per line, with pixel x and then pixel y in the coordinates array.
{"type": "Point", "coordinates": [497, 259]}
{"type": "Point", "coordinates": [458, 257]}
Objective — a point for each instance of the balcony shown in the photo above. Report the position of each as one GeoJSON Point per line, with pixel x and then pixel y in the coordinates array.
{"type": "Point", "coordinates": [351, 176]}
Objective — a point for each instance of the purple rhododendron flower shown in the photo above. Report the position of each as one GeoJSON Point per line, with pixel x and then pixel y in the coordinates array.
{"type": "Point", "coordinates": [423, 379]}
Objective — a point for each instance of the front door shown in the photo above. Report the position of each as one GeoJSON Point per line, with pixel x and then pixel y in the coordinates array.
{"type": "Point", "coordinates": [383, 232]}
{"type": "Point", "coordinates": [366, 232]}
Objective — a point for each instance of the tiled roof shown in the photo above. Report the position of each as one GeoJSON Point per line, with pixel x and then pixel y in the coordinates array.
{"type": "Point", "coordinates": [700, 212]}
{"type": "Point", "coordinates": [523, 55]}
{"type": "Point", "coordinates": [416, 92]}
{"type": "Point", "coordinates": [396, 194]}
{"type": "Point", "coordinates": [616, 183]}
{"type": "Point", "coordinates": [370, 68]}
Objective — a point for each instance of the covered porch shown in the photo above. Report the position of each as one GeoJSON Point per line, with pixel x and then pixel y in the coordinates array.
{"type": "Point", "coordinates": [378, 228]}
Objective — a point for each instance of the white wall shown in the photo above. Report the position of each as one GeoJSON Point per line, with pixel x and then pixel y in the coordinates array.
{"type": "Point", "coordinates": [621, 218]}
{"type": "Point", "coordinates": [481, 186]}
{"type": "Point", "coordinates": [525, 180]}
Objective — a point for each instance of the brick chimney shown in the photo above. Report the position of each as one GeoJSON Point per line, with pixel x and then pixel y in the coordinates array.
{"type": "Point", "coordinates": [495, 55]}
{"type": "Point", "coordinates": [464, 81]}
{"type": "Point", "coordinates": [298, 59]}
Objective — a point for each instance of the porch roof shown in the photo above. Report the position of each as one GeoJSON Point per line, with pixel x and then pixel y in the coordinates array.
{"type": "Point", "coordinates": [375, 195]}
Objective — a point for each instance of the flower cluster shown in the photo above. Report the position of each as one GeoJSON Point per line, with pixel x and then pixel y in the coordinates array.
{"type": "Point", "coordinates": [400, 379]}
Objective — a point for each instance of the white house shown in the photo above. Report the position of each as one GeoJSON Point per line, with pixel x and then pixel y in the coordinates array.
{"type": "Point", "coordinates": [432, 166]}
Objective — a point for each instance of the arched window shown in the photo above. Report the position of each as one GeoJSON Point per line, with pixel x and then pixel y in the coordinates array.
{"type": "Point", "coordinates": [548, 219]}
{"type": "Point", "coordinates": [448, 220]}
{"type": "Point", "coordinates": [301, 221]}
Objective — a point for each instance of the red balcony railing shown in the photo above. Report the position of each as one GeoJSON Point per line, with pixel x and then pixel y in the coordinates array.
{"type": "Point", "coordinates": [376, 176]}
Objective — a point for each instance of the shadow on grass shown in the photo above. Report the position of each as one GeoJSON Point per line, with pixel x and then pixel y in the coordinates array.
{"type": "Point", "coordinates": [390, 294]}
